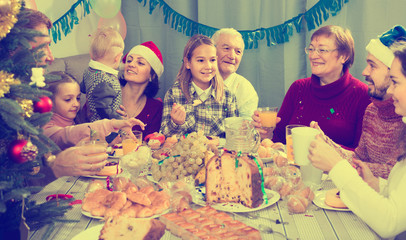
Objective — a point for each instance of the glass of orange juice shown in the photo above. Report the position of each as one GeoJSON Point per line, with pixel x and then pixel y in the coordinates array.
{"type": "Point", "coordinates": [268, 120]}
{"type": "Point", "coordinates": [93, 142]}
{"type": "Point", "coordinates": [289, 142]}
{"type": "Point", "coordinates": [129, 144]}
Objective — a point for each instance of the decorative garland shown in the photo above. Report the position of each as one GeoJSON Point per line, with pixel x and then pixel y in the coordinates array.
{"type": "Point", "coordinates": [68, 20]}
{"type": "Point", "coordinates": [274, 35]}
{"type": "Point", "coordinates": [8, 20]}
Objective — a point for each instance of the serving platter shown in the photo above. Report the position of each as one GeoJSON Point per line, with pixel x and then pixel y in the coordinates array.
{"type": "Point", "coordinates": [88, 214]}
{"type": "Point", "coordinates": [198, 199]}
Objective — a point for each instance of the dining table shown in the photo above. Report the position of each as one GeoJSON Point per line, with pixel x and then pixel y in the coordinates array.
{"type": "Point", "coordinates": [274, 221]}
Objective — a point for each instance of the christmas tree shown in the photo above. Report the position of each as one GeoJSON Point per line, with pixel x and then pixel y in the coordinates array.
{"type": "Point", "coordinates": [24, 109]}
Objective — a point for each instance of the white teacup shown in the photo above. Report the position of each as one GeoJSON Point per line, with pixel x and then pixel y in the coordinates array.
{"type": "Point", "coordinates": [301, 138]}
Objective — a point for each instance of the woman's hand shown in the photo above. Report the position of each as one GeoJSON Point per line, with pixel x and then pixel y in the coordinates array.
{"type": "Point", "coordinates": [80, 161]}
{"type": "Point", "coordinates": [178, 114]}
{"type": "Point", "coordinates": [322, 155]}
{"type": "Point", "coordinates": [366, 174]}
{"type": "Point", "coordinates": [257, 123]}
{"type": "Point", "coordinates": [127, 125]}
{"type": "Point", "coordinates": [315, 125]}
{"type": "Point", "coordinates": [122, 111]}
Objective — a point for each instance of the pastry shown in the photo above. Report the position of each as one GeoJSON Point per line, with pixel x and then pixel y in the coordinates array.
{"type": "Point", "coordinates": [297, 204]}
{"type": "Point", "coordinates": [333, 199]}
{"type": "Point", "coordinates": [110, 169]}
{"type": "Point", "coordinates": [210, 225]}
{"type": "Point", "coordinates": [266, 142]}
{"type": "Point", "coordinates": [95, 185]}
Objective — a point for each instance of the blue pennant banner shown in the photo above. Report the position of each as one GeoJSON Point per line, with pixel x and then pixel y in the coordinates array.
{"type": "Point", "coordinates": [66, 22]}
{"type": "Point", "coordinates": [278, 34]}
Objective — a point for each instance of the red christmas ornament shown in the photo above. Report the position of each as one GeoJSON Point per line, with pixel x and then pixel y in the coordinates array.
{"type": "Point", "coordinates": [21, 151]}
{"type": "Point", "coordinates": [44, 105]}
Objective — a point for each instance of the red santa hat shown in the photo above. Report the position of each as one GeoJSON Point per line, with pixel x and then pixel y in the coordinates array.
{"type": "Point", "coordinates": [150, 52]}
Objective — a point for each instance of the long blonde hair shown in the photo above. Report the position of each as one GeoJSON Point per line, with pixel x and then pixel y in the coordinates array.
{"type": "Point", "coordinates": [184, 76]}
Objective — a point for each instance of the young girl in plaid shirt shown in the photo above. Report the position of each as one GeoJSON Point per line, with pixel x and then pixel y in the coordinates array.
{"type": "Point", "coordinates": [198, 99]}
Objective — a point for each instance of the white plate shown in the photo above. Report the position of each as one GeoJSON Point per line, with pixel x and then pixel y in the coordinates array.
{"type": "Point", "coordinates": [88, 214]}
{"type": "Point", "coordinates": [319, 198]}
{"type": "Point", "coordinates": [90, 233]}
{"type": "Point", "coordinates": [273, 197]}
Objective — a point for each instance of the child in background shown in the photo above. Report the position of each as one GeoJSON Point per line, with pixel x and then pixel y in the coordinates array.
{"type": "Point", "coordinates": [100, 80]}
{"type": "Point", "coordinates": [198, 99]}
{"type": "Point", "coordinates": [66, 103]}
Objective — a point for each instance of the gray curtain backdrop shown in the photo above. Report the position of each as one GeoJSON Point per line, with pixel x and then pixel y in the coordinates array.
{"type": "Point", "coordinates": [271, 70]}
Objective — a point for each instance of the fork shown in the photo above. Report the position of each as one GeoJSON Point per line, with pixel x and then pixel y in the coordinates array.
{"type": "Point", "coordinates": [255, 216]}
{"type": "Point", "coordinates": [266, 229]}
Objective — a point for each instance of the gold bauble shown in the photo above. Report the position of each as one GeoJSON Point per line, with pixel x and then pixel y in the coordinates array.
{"type": "Point", "coordinates": [6, 79]}
{"type": "Point", "coordinates": [27, 107]}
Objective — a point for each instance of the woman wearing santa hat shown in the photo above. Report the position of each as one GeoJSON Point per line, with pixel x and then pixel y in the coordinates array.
{"type": "Point", "coordinates": [140, 71]}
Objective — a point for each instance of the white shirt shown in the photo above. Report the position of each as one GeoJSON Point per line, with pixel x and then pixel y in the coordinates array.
{"type": "Point", "coordinates": [203, 94]}
{"type": "Point", "coordinates": [384, 212]}
{"type": "Point", "coordinates": [247, 97]}
{"type": "Point", "coordinates": [100, 66]}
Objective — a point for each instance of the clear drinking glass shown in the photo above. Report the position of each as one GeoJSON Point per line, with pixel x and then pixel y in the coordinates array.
{"type": "Point", "coordinates": [268, 120]}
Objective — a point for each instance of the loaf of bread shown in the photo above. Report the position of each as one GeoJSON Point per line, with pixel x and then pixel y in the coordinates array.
{"type": "Point", "coordinates": [122, 228]}
{"type": "Point", "coordinates": [232, 178]}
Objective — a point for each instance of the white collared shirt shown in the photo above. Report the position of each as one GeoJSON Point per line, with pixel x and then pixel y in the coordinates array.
{"type": "Point", "coordinates": [203, 94]}
{"type": "Point", "coordinates": [247, 97]}
{"type": "Point", "coordinates": [100, 66]}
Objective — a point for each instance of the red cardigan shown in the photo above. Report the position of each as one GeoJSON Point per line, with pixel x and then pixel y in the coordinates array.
{"type": "Point", "coordinates": [338, 107]}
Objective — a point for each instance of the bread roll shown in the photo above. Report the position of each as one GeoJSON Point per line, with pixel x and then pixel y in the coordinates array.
{"type": "Point", "coordinates": [95, 185]}
{"type": "Point", "coordinates": [140, 198]}
{"type": "Point", "coordinates": [297, 204]}
{"type": "Point", "coordinates": [281, 161]}
{"type": "Point", "coordinates": [267, 142]}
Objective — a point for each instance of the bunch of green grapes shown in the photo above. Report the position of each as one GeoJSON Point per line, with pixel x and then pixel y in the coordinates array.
{"type": "Point", "coordinates": [187, 158]}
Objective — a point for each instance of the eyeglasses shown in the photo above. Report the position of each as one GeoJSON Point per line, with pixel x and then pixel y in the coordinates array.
{"type": "Point", "coordinates": [319, 51]}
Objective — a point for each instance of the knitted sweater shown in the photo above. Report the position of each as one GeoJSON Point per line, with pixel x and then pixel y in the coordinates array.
{"type": "Point", "coordinates": [381, 131]}
{"type": "Point", "coordinates": [65, 133]}
{"type": "Point", "coordinates": [338, 107]}
{"type": "Point", "coordinates": [103, 92]}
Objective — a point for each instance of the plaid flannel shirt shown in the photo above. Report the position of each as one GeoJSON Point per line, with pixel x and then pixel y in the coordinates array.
{"type": "Point", "coordinates": [207, 116]}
